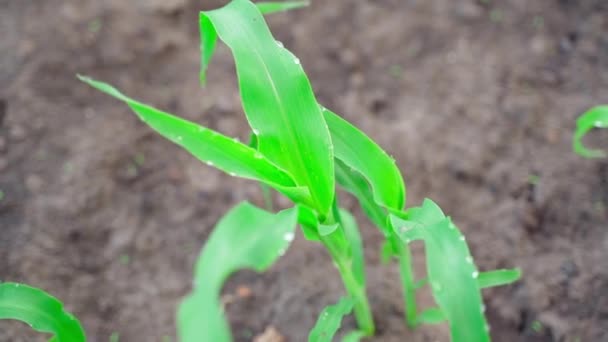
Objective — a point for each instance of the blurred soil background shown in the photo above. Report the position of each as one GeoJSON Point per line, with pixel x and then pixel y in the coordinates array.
{"type": "Point", "coordinates": [476, 100]}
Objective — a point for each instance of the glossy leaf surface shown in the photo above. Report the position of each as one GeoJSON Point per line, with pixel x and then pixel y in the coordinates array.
{"type": "Point", "coordinates": [450, 268]}
{"type": "Point", "coordinates": [358, 152]}
{"type": "Point", "coordinates": [277, 98]}
{"type": "Point", "coordinates": [211, 147]}
{"type": "Point", "coordinates": [40, 310]}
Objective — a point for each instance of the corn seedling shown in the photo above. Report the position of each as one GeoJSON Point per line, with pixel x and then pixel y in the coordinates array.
{"type": "Point", "coordinates": [596, 117]}
{"type": "Point", "coordinates": [41, 311]}
{"type": "Point", "coordinates": [304, 151]}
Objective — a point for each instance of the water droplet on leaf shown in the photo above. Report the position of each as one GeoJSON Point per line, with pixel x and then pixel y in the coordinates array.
{"type": "Point", "coordinates": [288, 236]}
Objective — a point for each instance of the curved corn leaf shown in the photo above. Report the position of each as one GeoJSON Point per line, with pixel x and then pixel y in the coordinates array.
{"type": "Point", "coordinates": [43, 312]}
{"type": "Point", "coordinates": [246, 237]}
{"type": "Point", "coordinates": [329, 321]}
{"type": "Point", "coordinates": [268, 7]}
{"type": "Point", "coordinates": [451, 272]}
{"type": "Point", "coordinates": [360, 153]}
{"type": "Point", "coordinates": [594, 117]}
{"type": "Point", "coordinates": [277, 98]}
{"type": "Point", "coordinates": [225, 153]}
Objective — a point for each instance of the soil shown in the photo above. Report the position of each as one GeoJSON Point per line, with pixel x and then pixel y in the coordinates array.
{"type": "Point", "coordinates": [476, 100]}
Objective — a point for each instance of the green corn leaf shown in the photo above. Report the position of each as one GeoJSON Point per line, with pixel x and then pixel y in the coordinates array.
{"type": "Point", "coordinates": [498, 278]}
{"type": "Point", "coordinates": [451, 272]}
{"type": "Point", "coordinates": [351, 231]}
{"type": "Point", "coordinates": [43, 312]}
{"type": "Point", "coordinates": [245, 238]}
{"type": "Point", "coordinates": [225, 153]}
{"type": "Point", "coordinates": [268, 7]}
{"type": "Point", "coordinates": [594, 117]}
{"type": "Point", "coordinates": [353, 336]}
{"type": "Point", "coordinates": [387, 252]}
{"type": "Point", "coordinates": [309, 223]}
{"type": "Point", "coordinates": [326, 229]}
{"type": "Point", "coordinates": [329, 321]}
{"type": "Point", "coordinates": [353, 182]}
{"type": "Point", "coordinates": [357, 151]}
{"type": "Point", "coordinates": [209, 41]}
{"type": "Point", "coordinates": [277, 98]}
{"type": "Point", "coordinates": [431, 316]}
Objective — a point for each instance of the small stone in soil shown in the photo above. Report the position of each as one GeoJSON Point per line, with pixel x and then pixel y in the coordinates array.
{"type": "Point", "coordinates": [243, 291]}
{"type": "Point", "coordinates": [271, 334]}
{"type": "Point", "coordinates": [17, 133]}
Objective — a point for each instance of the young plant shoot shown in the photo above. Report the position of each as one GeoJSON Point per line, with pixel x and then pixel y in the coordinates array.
{"type": "Point", "coordinates": [596, 117]}
{"type": "Point", "coordinates": [41, 311]}
{"type": "Point", "coordinates": [305, 151]}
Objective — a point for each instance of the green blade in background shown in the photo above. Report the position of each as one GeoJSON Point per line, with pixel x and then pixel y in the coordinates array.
{"type": "Point", "coordinates": [245, 238]}
{"type": "Point", "coordinates": [329, 321]}
{"type": "Point", "coordinates": [594, 117]}
{"type": "Point", "coordinates": [450, 269]}
{"type": "Point", "coordinates": [362, 154]}
{"type": "Point", "coordinates": [277, 98]}
{"type": "Point", "coordinates": [498, 277]}
{"type": "Point", "coordinates": [269, 7]}
{"type": "Point", "coordinates": [225, 153]}
{"type": "Point", "coordinates": [43, 312]}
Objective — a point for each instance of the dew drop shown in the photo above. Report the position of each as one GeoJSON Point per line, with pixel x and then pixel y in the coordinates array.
{"type": "Point", "coordinates": [469, 259]}
{"type": "Point", "coordinates": [482, 308]}
{"type": "Point", "coordinates": [598, 124]}
{"type": "Point", "coordinates": [257, 155]}
{"type": "Point", "coordinates": [210, 163]}
{"type": "Point", "coordinates": [462, 238]}
{"type": "Point", "coordinates": [296, 60]}
{"type": "Point", "coordinates": [236, 140]}
{"type": "Point", "coordinates": [180, 138]}
{"type": "Point", "coordinates": [487, 327]}
{"type": "Point", "coordinates": [232, 174]}
{"type": "Point", "coordinates": [288, 236]}
{"type": "Point", "coordinates": [279, 43]}
{"type": "Point", "coordinates": [201, 129]}
{"type": "Point", "coordinates": [255, 131]}
{"type": "Point", "coordinates": [475, 274]}
{"type": "Point", "coordinates": [407, 240]}
{"type": "Point", "coordinates": [451, 226]}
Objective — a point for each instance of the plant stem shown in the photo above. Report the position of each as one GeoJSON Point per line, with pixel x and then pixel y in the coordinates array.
{"type": "Point", "coordinates": [339, 248]}
{"type": "Point", "coordinates": [407, 280]}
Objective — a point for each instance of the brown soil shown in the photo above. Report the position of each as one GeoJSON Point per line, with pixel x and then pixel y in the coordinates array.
{"type": "Point", "coordinates": [475, 99]}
